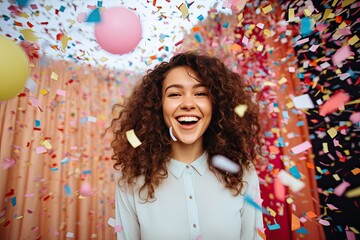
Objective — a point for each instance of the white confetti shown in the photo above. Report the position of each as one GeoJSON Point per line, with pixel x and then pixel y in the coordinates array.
{"type": "Point", "coordinates": [225, 164]}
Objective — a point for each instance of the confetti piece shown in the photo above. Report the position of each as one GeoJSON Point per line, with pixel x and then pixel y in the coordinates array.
{"type": "Point", "coordinates": [294, 184]}
{"type": "Point", "coordinates": [13, 201]}
{"type": "Point", "coordinates": [332, 132]}
{"type": "Point", "coordinates": [67, 189]}
{"type": "Point", "coordinates": [61, 92]}
{"type": "Point", "coordinates": [111, 222]}
{"type": "Point", "coordinates": [273, 226]}
{"type": "Point", "coordinates": [29, 35]}
{"type": "Point", "coordinates": [279, 189]}
{"type": "Point", "coordinates": [295, 222]}
{"type": "Point", "coordinates": [81, 17]}
{"type": "Point", "coordinates": [324, 222]}
{"type": "Point", "coordinates": [118, 228]}
{"type": "Point", "coordinates": [340, 189]}
{"type": "Point", "coordinates": [225, 164]}
{"type": "Point", "coordinates": [47, 144]}
{"type": "Point", "coordinates": [241, 109]}
{"type": "Point", "coordinates": [267, 9]}
{"type": "Point", "coordinates": [341, 54]}
{"type": "Point", "coordinates": [132, 138]}
{"type": "Point", "coordinates": [355, 117]}
{"type": "Point", "coordinates": [295, 172]}
{"type": "Point", "coordinates": [40, 150]}
{"type": "Point", "coordinates": [54, 76]}
{"type": "Point", "coordinates": [353, 193]}
{"type": "Point", "coordinates": [301, 147]}
{"type": "Point", "coordinates": [306, 26]}
{"type": "Point", "coordinates": [7, 163]}
{"type": "Point", "coordinates": [336, 101]}
{"type": "Point", "coordinates": [251, 201]}
{"type": "Point", "coordinates": [70, 235]}
{"type": "Point", "coordinates": [303, 102]}
{"type": "Point", "coordinates": [354, 39]}
{"type": "Point", "coordinates": [291, 13]}
{"type": "Point", "coordinates": [31, 85]}
{"type": "Point", "coordinates": [184, 10]}
{"type": "Point", "coordinates": [94, 16]}
{"type": "Point", "coordinates": [261, 232]}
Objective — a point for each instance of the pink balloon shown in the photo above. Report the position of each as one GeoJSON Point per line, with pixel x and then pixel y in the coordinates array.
{"type": "Point", "coordinates": [119, 30]}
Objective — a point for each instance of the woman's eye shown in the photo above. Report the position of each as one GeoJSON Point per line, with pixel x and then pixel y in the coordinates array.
{"type": "Point", "coordinates": [174, 94]}
{"type": "Point", "coordinates": [201, 94]}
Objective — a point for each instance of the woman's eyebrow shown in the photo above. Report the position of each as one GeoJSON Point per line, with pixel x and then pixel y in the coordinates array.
{"type": "Point", "coordinates": [182, 87]}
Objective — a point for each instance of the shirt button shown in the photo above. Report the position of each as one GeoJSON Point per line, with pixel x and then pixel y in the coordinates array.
{"type": "Point", "coordinates": [194, 225]}
{"type": "Point", "coordinates": [190, 196]}
{"type": "Point", "coordinates": [187, 166]}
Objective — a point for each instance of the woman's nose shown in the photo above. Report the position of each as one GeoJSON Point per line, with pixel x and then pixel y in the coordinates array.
{"type": "Point", "coordinates": [188, 103]}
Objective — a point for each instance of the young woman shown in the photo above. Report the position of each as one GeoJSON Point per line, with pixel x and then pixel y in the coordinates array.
{"type": "Point", "coordinates": [174, 185]}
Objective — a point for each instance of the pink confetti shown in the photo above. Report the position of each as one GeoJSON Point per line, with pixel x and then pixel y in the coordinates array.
{"type": "Point", "coordinates": [341, 54]}
{"type": "Point", "coordinates": [340, 189]}
{"type": "Point", "coordinates": [324, 222]}
{"type": "Point", "coordinates": [7, 163]}
{"type": "Point", "coordinates": [81, 17]}
{"type": "Point", "coordinates": [355, 117]}
{"type": "Point", "coordinates": [334, 103]}
{"type": "Point", "coordinates": [301, 147]}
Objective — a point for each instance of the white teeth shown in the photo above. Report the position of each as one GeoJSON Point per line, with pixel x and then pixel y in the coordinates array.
{"type": "Point", "coordinates": [188, 119]}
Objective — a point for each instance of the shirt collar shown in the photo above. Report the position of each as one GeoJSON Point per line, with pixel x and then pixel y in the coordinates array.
{"type": "Point", "coordinates": [177, 167]}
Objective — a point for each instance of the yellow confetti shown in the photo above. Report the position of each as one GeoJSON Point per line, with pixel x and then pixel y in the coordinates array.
{"type": "Point", "coordinates": [271, 212]}
{"type": "Point", "coordinates": [353, 193]}
{"type": "Point", "coordinates": [289, 200]}
{"type": "Point", "coordinates": [54, 76]}
{"type": "Point", "coordinates": [334, 3]}
{"type": "Point", "coordinates": [336, 177]}
{"type": "Point", "coordinates": [326, 13]}
{"type": "Point", "coordinates": [132, 138]}
{"type": "Point", "coordinates": [241, 109]}
{"type": "Point", "coordinates": [291, 13]}
{"type": "Point", "coordinates": [307, 12]}
{"type": "Point", "coordinates": [342, 25]}
{"type": "Point", "coordinates": [44, 91]}
{"type": "Point", "coordinates": [47, 144]}
{"type": "Point", "coordinates": [353, 40]}
{"type": "Point", "coordinates": [184, 10]}
{"type": "Point", "coordinates": [282, 80]}
{"type": "Point", "coordinates": [267, 32]}
{"type": "Point", "coordinates": [346, 3]}
{"type": "Point", "coordinates": [260, 48]}
{"type": "Point", "coordinates": [29, 35]}
{"type": "Point", "coordinates": [332, 132]}
{"type": "Point", "coordinates": [325, 147]}
{"type": "Point", "coordinates": [267, 9]}
{"type": "Point", "coordinates": [103, 59]}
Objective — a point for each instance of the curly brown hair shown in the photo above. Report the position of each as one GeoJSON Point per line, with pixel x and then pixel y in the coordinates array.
{"type": "Point", "coordinates": [228, 134]}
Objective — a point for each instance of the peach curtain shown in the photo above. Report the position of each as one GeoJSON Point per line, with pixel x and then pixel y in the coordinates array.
{"type": "Point", "coordinates": [56, 177]}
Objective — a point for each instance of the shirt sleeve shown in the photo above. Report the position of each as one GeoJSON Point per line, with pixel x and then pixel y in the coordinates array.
{"type": "Point", "coordinates": [251, 217]}
{"type": "Point", "coordinates": [125, 214]}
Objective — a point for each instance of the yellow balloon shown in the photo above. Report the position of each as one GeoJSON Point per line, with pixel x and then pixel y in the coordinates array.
{"type": "Point", "coordinates": [14, 68]}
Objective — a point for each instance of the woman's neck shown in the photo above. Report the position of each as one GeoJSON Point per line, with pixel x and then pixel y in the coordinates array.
{"type": "Point", "coordinates": [187, 153]}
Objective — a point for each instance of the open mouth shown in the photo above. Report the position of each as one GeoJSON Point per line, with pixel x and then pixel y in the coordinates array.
{"type": "Point", "coordinates": [187, 120]}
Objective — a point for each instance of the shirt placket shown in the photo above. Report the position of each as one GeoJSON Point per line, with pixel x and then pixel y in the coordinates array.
{"type": "Point", "coordinates": [191, 203]}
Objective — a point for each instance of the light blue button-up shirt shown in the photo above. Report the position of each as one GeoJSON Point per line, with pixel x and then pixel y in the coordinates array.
{"type": "Point", "coordinates": [190, 204]}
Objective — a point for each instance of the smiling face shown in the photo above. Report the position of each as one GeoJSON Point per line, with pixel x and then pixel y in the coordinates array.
{"type": "Point", "coordinates": [186, 105]}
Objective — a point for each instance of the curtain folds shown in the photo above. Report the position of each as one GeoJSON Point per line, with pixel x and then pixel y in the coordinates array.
{"type": "Point", "coordinates": [56, 178]}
